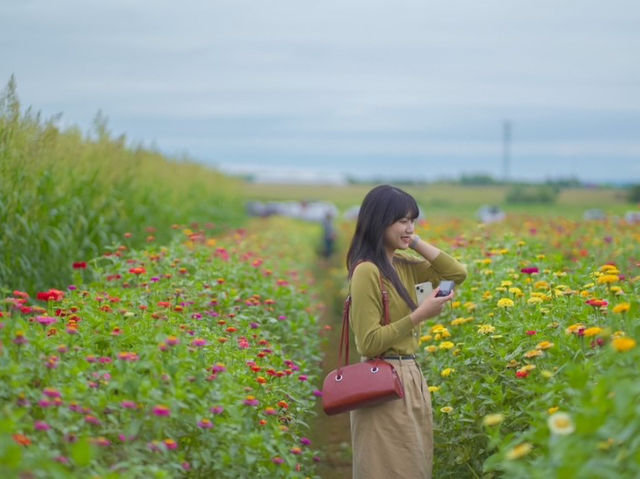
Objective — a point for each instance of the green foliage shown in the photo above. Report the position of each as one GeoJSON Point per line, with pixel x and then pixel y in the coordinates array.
{"type": "Point", "coordinates": [64, 197]}
{"type": "Point", "coordinates": [634, 194]}
{"type": "Point", "coordinates": [216, 329]}
{"type": "Point", "coordinates": [532, 194]}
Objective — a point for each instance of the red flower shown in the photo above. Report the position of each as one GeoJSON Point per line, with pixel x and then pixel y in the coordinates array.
{"type": "Point", "coordinates": [597, 303]}
{"type": "Point", "coordinates": [138, 270]}
{"type": "Point", "coordinates": [522, 374]}
{"type": "Point", "coordinates": [530, 270]}
{"type": "Point", "coordinates": [51, 295]}
{"type": "Point", "coordinates": [79, 265]}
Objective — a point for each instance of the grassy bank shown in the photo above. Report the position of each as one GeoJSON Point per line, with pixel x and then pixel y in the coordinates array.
{"type": "Point", "coordinates": [65, 196]}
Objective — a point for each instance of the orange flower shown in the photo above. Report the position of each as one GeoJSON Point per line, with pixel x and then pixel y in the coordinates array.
{"type": "Point", "coordinates": [21, 439]}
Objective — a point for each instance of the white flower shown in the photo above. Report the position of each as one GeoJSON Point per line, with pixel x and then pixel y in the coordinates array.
{"type": "Point", "coordinates": [561, 423]}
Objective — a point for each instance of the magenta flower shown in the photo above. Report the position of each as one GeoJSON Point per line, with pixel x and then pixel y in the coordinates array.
{"type": "Point", "coordinates": [91, 420]}
{"type": "Point", "coordinates": [530, 270]}
{"type": "Point", "coordinates": [218, 368]}
{"type": "Point", "coordinates": [61, 460]}
{"type": "Point", "coordinates": [44, 403]}
{"type": "Point", "coordinates": [251, 401]}
{"type": "Point", "coordinates": [128, 404]}
{"type": "Point", "coordinates": [41, 426]}
{"type": "Point", "coordinates": [277, 460]}
{"type": "Point", "coordinates": [172, 341]}
{"type": "Point", "coordinates": [161, 410]}
{"type": "Point", "coordinates": [205, 424]}
{"type": "Point", "coordinates": [317, 393]}
{"type": "Point", "coordinates": [302, 377]}
{"type": "Point", "coordinates": [269, 411]}
{"type": "Point", "coordinates": [51, 392]}
{"type": "Point", "coordinates": [305, 441]}
{"type": "Point", "coordinates": [217, 409]}
{"type": "Point", "coordinates": [170, 444]}
{"type": "Point", "coordinates": [199, 342]}
{"type": "Point", "coordinates": [46, 320]}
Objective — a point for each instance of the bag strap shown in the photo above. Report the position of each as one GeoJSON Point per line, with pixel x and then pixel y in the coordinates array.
{"type": "Point", "coordinates": [344, 336]}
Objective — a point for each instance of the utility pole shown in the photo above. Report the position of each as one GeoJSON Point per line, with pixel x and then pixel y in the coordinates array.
{"type": "Point", "coordinates": [506, 145]}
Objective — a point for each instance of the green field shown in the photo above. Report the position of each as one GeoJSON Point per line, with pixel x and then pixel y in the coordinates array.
{"type": "Point", "coordinates": [445, 200]}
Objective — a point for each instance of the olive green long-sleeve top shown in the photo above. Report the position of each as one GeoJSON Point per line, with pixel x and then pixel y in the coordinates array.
{"type": "Point", "coordinates": [400, 336]}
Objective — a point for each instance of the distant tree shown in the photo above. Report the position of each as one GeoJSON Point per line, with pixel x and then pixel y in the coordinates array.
{"type": "Point", "coordinates": [477, 179]}
{"type": "Point", "coordinates": [634, 193]}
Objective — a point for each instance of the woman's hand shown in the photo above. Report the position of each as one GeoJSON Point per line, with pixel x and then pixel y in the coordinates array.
{"type": "Point", "coordinates": [430, 307]}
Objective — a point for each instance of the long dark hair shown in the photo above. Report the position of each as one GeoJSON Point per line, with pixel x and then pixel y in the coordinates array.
{"type": "Point", "coordinates": [381, 207]}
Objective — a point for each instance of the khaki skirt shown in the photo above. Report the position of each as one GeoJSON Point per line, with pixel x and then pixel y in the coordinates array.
{"type": "Point", "coordinates": [395, 439]}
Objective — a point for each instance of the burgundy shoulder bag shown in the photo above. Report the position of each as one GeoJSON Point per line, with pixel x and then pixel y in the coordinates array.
{"type": "Point", "coordinates": [367, 383]}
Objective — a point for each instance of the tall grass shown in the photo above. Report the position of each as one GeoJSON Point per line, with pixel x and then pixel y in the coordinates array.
{"type": "Point", "coordinates": [65, 196]}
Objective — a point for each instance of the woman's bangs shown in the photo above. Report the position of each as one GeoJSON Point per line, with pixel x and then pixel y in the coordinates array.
{"type": "Point", "coordinates": [404, 206]}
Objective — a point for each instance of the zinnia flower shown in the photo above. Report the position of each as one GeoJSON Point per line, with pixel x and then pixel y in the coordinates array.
{"type": "Point", "coordinates": [505, 303]}
{"type": "Point", "coordinates": [446, 409]}
{"type": "Point", "coordinates": [205, 423]}
{"type": "Point", "coordinates": [447, 372]}
{"type": "Point", "coordinates": [161, 410]}
{"type": "Point", "coordinates": [493, 419]}
{"type": "Point", "coordinates": [621, 308]}
{"type": "Point", "coordinates": [623, 344]}
{"type": "Point", "coordinates": [529, 270]}
{"type": "Point", "coordinates": [560, 423]}
{"type": "Point", "coordinates": [519, 451]}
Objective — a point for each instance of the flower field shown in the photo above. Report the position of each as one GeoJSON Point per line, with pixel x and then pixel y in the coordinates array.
{"type": "Point", "coordinates": [533, 370]}
{"type": "Point", "coordinates": [198, 359]}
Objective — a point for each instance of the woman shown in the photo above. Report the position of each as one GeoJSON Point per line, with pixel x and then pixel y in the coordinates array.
{"type": "Point", "coordinates": [394, 439]}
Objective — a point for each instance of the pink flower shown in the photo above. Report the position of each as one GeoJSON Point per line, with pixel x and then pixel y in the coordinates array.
{"type": "Point", "coordinates": [205, 424]}
{"type": "Point", "coordinates": [251, 401]}
{"type": "Point", "coordinates": [170, 444]}
{"type": "Point", "coordinates": [51, 392]}
{"type": "Point", "coordinates": [128, 404]}
{"type": "Point", "coordinates": [161, 410]}
{"type": "Point", "coordinates": [41, 426]}
{"type": "Point", "coordinates": [217, 409]}
{"type": "Point", "coordinates": [317, 393]}
{"type": "Point", "coordinates": [531, 333]}
{"type": "Point", "coordinates": [295, 450]}
{"type": "Point", "coordinates": [91, 420]}
{"type": "Point", "coordinates": [269, 411]}
{"type": "Point", "coordinates": [46, 320]}
{"type": "Point", "coordinates": [172, 341]}
{"type": "Point", "coordinates": [79, 265]}
{"type": "Point", "coordinates": [277, 460]}
{"type": "Point", "coordinates": [198, 342]}
{"type": "Point", "coordinates": [302, 377]}
{"type": "Point", "coordinates": [305, 441]}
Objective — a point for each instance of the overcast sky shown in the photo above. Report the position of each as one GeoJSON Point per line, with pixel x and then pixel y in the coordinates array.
{"type": "Point", "coordinates": [364, 87]}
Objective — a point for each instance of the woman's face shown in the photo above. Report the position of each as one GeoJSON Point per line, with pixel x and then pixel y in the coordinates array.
{"type": "Point", "coordinates": [398, 235]}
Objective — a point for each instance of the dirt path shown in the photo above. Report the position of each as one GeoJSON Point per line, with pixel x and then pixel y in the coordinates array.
{"type": "Point", "coordinates": [331, 434]}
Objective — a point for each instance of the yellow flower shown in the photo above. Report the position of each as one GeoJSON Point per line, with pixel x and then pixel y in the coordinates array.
{"type": "Point", "coordinates": [455, 304]}
{"type": "Point", "coordinates": [505, 303]}
{"type": "Point", "coordinates": [516, 291]}
{"type": "Point", "coordinates": [519, 451]}
{"type": "Point", "coordinates": [521, 243]}
{"type": "Point", "coordinates": [493, 419]}
{"type": "Point", "coordinates": [574, 328]}
{"type": "Point", "coordinates": [506, 283]}
{"type": "Point", "coordinates": [431, 349]}
{"type": "Point", "coordinates": [459, 321]}
{"type": "Point", "coordinates": [623, 344]}
{"type": "Point", "coordinates": [501, 289]}
{"type": "Point", "coordinates": [534, 353]}
{"type": "Point", "coordinates": [606, 445]}
{"type": "Point", "coordinates": [487, 272]}
{"type": "Point", "coordinates": [592, 331]}
{"type": "Point", "coordinates": [425, 338]}
{"type": "Point", "coordinates": [484, 261]}
{"type": "Point", "coordinates": [616, 290]}
{"type": "Point", "coordinates": [446, 345]}
{"type": "Point", "coordinates": [446, 409]}
{"type": "Point", "coordinates": [445, 373]}
{"type": "Point", "coordinates": [487, 295]}
{"type": "Point", "coordinates": [553, 409]}
{"type": "Point", "coordinates": [544, 345]}
{"type": "Point", "coordinates": [609, 268]}
{"type": "Point", "coordinates": [621, 308]}
{"type": "Point", "coordinates": [561, 423]}
{"type": "Point", "coordinates": [534, 300]}
{"type": "Point", "coordinates": [486, 329]}
{"type": "Point", "coordinates": [438, 328]}
{"type": "Point", "coordinates": [434, 389]}
{"type": "Point", "coordinates": [541, 285]}
{"type": "Point", "coordinates": [608, 279]}
{"type": "Point", "coordinates": [469, 306]}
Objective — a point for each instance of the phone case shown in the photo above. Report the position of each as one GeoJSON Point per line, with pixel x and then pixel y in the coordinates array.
{"type": "Point", "coordinates": [423, 290]}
